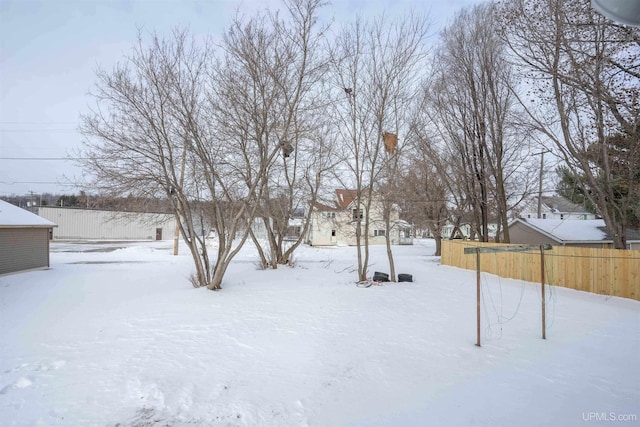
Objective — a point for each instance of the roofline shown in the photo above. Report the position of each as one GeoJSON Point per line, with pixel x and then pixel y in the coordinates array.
{"type": "Point", "coordinates": [539, 230]}
{"type": "Point", "coordinates": [595, 241]}
{"type": "Point", "coordinates": [578, 242]}
{"type": "Point", "coordinates": [565, 242]}
{"type": "Point", "coordinates": [80, 208]}
{"type": "Point", "coordinates": [324, 208]}
{"type": "Point", "coordinates": [28, 226]}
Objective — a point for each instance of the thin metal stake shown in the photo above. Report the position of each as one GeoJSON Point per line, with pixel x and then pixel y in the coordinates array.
{"type": "Point", "coordinates": [542, 280]}
{"type": "Point", "coordinates": [478, 294]}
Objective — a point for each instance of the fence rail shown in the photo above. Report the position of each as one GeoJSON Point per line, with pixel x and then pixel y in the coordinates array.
{"type": "Point", "coordinates": [603, 271]}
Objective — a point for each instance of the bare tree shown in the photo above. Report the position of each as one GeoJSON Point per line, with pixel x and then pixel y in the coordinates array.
{"type": "Point", "coordinates": [180, 123]}
{"type": "Point", "coordinates": [283, 59]}
{"type": "Point", "coordinates": [248, 116]}
{"type": "Point", "coordinates": [349, 112]}
{"type": "Point", "coordinates": [374, 64]}
{"type": "Point", "coordinates": [137, 142]}
{"type": "Point", "coordinates": [396, 76]}
{"type": "Point", "coordinates": [586, 80]}
{"type": "Point", "coordinates": [472, 106]}
{"type": "Point", "coordinates": [424, 192]}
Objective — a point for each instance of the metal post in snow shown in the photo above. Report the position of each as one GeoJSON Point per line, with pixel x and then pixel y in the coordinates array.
{"type": "Point", "coordinates": [542, 280]}
{"type": "Point", "coordinates": [478, 250]}
{"type": "Point", "coordinates": [478, 295]}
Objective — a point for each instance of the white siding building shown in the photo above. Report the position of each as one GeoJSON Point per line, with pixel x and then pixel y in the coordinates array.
{"type": "Point", "coordinates": [555, 207]}
{"type": "Point", "coordinates": [89, 224]}
{"type": "Point", "coordinates": [336, 225]}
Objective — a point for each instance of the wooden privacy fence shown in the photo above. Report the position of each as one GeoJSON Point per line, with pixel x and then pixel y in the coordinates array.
{"type": "Point", "coordinates": [613, 272]}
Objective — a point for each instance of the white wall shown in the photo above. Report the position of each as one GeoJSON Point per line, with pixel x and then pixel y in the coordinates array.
{"type": "Point", "coordinates": [323, 225]}
{"type": "Point", "coordinates": [321, 229]}
{"type": "Point", "coordinates": [108, 225]}
{"type": "Point", "coordinates": [548, 214]}
{"type": "Point", "coordinates": [530, 210]}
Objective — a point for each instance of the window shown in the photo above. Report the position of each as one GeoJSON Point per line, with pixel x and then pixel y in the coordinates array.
{"type": "Point", "coordinates": [329, 215]}
{"type": "Point", "coordinates": [357, 214]}
{"type": "Point", "coordinates": [380, 233]}
{"type": "Point", "coordinates": [333, 233]}
{"type": "Point", "coordinates": [544, 216]}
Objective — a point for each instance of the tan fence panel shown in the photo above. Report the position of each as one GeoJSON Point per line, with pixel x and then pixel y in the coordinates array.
{"type": "Point", "coordinates": [603, 271]}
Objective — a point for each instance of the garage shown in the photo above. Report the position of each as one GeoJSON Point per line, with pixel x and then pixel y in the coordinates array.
{"type": "Point", "coordinates": [24, 240]}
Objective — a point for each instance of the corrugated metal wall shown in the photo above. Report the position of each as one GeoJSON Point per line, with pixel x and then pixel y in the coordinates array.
{"type": "Point", "coordinates": [107, 225]}
{"type": "Point", "coordinates": [23, 249]}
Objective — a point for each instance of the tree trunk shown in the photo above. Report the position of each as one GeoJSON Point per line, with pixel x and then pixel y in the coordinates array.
{"type": "Point", "coordinates": [392, 267]}
{"type": "Point", "coordinates": [263, 259]}
{"type": "Point", "coordinates": [438, 240]}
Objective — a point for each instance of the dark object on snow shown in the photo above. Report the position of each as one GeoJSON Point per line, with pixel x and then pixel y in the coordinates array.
{"type": "Point", "coordinates": [380, 277]}
{"type": "Point", "coordinates": [287, 149]}
{"type": "Point", "coordinates": [405, 278]}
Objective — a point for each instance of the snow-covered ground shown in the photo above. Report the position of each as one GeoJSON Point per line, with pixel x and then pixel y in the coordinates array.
{"type": "Point", "coordinates": [115, 335]}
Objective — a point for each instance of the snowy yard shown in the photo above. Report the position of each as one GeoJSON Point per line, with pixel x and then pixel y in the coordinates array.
{"type": "Point", "coordinates": [120, 338]}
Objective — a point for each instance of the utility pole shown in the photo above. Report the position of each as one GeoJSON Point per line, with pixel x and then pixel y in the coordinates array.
{"type": "Point", "coordinates": [541, 154]}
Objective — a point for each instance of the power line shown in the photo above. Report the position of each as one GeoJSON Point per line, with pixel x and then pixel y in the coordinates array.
{"type": "Point", "coordinates": [41, 158]}
{"type": "Point", "coordinates": [34, 182]}
{"type": "Point", "coordinates": [53, 158]}
{"type": "Point", "coordinates": [38, 130]}
{"type": "Point", "coordinates": [35, 123]}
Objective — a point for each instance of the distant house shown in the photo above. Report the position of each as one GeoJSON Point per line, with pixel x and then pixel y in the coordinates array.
{"type": "Point", "coordinates": [586, 233]}
{"type": "Point", "coordinates": [93, 224]}
{"type": "Point", "coordinates": [336, 224]}
{"type": "Point", "coordinates": [295, 225]}
{"type": "Point", "coordinates": [555, 207]}
{"type": "Point", "coordinates": [24, 240]}
{"type": "Point", "coordinates": [463, 232]}
{"type": "Point", "coordinates": [465, 228]}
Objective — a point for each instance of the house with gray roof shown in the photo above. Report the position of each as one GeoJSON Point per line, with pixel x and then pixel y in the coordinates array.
{"type": "Point", "coordinates": [555, 207]}
{"type": "Point", "coordinates": [24, 240]}
{"type": "Point", "coordinates": [586, 233]}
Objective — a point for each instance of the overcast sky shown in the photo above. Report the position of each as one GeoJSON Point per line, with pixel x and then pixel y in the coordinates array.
{"type": "Point", "coordinates": [50, 49]}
